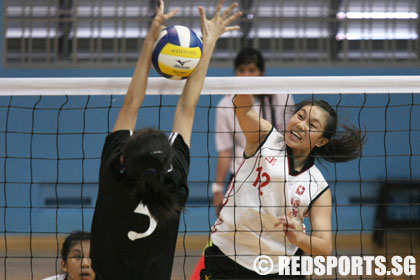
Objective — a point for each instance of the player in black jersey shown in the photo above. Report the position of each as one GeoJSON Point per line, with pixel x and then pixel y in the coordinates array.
{"type": "Point", "coordinates": [143, 175]}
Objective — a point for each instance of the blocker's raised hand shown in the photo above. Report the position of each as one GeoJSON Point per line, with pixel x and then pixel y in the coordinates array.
{"type": "Point", "coordinates": [219, 24]}
{"type": "Point", "coordinates": [160, 13]}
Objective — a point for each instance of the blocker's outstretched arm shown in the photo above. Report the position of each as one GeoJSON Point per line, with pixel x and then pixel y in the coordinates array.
{"type": "Point", "coordinates": [211, 30]}
{"type": "Point", "coordinates": [127, 116]}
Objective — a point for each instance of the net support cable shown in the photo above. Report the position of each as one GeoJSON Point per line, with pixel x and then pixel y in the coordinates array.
{"type": "Point", "coordinates": [215, 85]}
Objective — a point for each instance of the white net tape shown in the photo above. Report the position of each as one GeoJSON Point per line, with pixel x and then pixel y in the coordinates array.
{"type": "Point", "coordinates": [216, 85]}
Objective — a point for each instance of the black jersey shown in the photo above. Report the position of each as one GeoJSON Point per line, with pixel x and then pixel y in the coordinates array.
{"type": "Point", "coordinates": [127, 242]}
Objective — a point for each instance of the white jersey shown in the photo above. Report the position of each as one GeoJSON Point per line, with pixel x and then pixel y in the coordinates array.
{"type": "Point", "coordinates": [264, 188]}
{"type": "Point", "coordinates": [229, 135]}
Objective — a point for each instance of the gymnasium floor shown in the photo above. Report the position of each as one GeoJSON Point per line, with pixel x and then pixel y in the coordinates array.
{"type": "Point", "coordinates": [20, 266]}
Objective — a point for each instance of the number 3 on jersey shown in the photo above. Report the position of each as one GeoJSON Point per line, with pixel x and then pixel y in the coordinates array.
{"type": "Point", "coordinates": [143, 210]}
{"type": "Point", "coordinates": [258, 181]}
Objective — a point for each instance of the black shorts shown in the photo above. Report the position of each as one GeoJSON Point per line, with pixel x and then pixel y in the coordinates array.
{"type": "Point", "coordinates": [219, 266]}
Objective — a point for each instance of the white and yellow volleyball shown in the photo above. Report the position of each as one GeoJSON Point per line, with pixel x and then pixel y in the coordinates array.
{"type": "Point", "coordinates": [177, 52]}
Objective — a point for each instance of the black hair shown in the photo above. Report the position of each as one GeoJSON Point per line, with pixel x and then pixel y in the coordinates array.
{"type": "Point", "coordinates": [345, 142]}
{"type": "Point", "coordinates": [248, 56]}
{"type": "Point", "coordinates": [74, 238]}
{"type": "Point", "coordinates": [147, 157]}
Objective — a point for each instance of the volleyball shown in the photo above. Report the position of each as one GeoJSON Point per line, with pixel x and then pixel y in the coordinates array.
{"type": "Point", "coordinates": [177, 52]}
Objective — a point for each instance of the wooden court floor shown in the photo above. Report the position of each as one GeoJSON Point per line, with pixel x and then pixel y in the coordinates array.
{"type": "Point", "coordinates": [19, 265]}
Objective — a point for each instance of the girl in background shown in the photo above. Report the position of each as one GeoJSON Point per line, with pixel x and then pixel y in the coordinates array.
{"type": "Point", "coordinates": [75, 258]}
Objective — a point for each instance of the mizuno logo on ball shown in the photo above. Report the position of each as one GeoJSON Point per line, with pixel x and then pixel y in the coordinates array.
{"type": "Point", "coordinates": [182, 62]}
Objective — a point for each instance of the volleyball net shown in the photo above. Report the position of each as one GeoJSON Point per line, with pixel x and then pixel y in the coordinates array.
{"type": "Point", "coordinates": [52, 132]}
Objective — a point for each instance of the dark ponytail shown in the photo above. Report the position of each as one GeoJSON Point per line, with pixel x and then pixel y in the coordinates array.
{"type": "Point", "coordinates": [345, 141]}
{"type": "Point", "coordinates": [147, 157]}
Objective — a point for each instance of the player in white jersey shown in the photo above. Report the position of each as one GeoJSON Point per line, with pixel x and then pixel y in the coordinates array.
{"type": "Point", "coordinates": [275, 187]}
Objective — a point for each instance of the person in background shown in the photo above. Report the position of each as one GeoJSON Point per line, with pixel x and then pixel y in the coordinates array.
{"type": "Point", "coordinates": [75, 258]}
